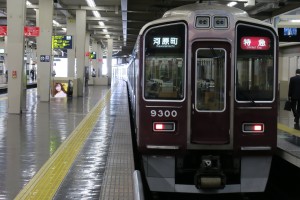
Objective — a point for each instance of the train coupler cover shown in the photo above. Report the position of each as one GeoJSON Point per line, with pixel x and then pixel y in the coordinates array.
{"type": "Point", "coordinates": [210, 175]}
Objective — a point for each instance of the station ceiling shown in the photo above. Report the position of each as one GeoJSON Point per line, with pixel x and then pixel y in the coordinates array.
{"type": "Point", "coordinates": [123, 19]}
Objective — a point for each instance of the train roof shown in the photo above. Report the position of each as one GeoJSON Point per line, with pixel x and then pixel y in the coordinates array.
{"type": "Point", "coordinates": [186, 10]}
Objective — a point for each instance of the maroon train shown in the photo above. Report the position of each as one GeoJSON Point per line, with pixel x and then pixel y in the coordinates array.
{"type": "Point", "coordinates": [203, 88]}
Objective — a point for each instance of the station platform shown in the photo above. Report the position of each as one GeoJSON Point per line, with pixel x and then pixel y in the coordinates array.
{"type": "Point", "coordinates": [288, 138]}
{"type": "Point", "coordinates": [81, 148]}
{"type": "Point", "coordinates": [68, 148]}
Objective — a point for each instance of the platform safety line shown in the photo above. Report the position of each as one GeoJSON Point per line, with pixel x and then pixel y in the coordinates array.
{"type": "Point", "coordinates": [287, 129]}
{"type": "Point", "coordinates": [48, 179]}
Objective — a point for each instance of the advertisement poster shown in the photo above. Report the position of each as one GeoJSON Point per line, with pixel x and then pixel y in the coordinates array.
{"type": "Point", "coordinates": [60, 89]}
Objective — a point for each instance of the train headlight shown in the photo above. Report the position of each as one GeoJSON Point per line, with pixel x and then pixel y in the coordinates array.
{"type": "Point", "coordinates": [202, 22]}
{"type": "Point", "coordinates": [220, 22]}
{"type": "Point", "coordinates": [253, 127]}
{"type": "Point", "coordinates": [163, 126]}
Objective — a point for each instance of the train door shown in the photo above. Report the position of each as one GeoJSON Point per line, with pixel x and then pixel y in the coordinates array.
{"type": "Point", "coordinates": [210, 97]}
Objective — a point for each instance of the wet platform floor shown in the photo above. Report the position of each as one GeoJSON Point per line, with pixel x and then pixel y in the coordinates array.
{"type": "Point", "coordinates": [27, 141]}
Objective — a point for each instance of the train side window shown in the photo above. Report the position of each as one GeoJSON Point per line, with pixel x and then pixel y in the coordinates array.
{"type": "Point", "coordinates": [164, 64]}
{"type": "Point", "coordinates": [210, 76]}
{"type": "Point", "coordinates": [255, 68]}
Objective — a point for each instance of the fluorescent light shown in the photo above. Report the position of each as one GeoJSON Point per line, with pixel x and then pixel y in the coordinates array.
{"type": "Point", "coordinates": [105, 30]}
{"type": "Point", "coordinates": [295, 20]}
{"type": "Point", "coordinates": [64, 29]}
{"type": "Point", "coordinates": [90, 3]}
{"type": "Point", "coordinates": [96, 14]}
{"type": "Point", "coordinates": [56, 23]}
{"type": "Point", "coordinates": [231, 4]}
{"type": "Point", "coordinates": [28, 3]}
{"type": "Point", "coordinates": [101, 23]}
{"type": "Point", "coordinates": [108, 36]}
{"type": "Point", "coordinates": [249, 3]}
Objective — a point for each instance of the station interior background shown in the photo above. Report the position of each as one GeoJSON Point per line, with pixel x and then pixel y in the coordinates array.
{"type": "Point", "coordinates": [121, 20]}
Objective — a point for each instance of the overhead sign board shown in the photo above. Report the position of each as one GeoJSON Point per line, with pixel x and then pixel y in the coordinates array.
{"type": "Point", "coordinates": [31, 31]}
{"type": "Point", "coordinates": [62, 42]}
{"type": "Point", "coordinates": [3, 30]}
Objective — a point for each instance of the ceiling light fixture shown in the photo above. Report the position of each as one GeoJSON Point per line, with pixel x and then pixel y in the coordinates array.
{"type": "Point", "coordinates": [91, 3]}
{"type": "Point", "coordinates": [28, 3]}
{"type": "Point", "coordinates": [249, 3]}
{"type": "Point", "coordinates": [96, 14]}
{"type": "Point", "coordinates": [295, 20]}
{"type": "Point", "coordinates": [55, 23]}
{"type": "Point", "coordinates": [231, 4]}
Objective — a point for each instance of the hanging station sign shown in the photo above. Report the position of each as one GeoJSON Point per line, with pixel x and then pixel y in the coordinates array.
{"type": "Point", "coordinates": [31, 31]}
{"type": "Point", "coordinates": [3, 30]}
{"type": "Point", "coordinates": [62, 42]}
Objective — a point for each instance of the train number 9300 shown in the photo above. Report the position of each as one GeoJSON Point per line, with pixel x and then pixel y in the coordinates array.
{"type": "Point", "coordinates": [163, 113]}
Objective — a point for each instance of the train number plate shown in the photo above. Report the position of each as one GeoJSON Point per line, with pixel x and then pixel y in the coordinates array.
{"type": "Point", "coordinates": [163, 113]}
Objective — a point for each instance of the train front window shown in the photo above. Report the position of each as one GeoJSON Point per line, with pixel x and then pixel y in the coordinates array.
{"type": "Point", "coordinates": [210, 76]}
{"type": "Point", "coordinates": [255, 64]}
{"type": "Point", "coordinates": [164, 66]}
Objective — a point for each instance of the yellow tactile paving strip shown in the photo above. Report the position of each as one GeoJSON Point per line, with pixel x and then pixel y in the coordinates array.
{"type": "Point", "coordinates": [287, 129]}
{"type": "Point", "coordinates": [47, 180]}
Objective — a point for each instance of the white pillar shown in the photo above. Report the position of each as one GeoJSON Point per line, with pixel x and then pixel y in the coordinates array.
{"type": "Point", "coordinates": [71, 30]}
{"type": "Point", "coordinates": [87, 49]}
{"type": "Point", "coordinates": [109, 59]}
{"type": "Point", "coordinates": [80, 47]}
{"type": "Point", "coordinates": [95, 61]}
{"type": "Point", "coordinates": [44, 48]}
{"type": "Point", "coordinates": [16, 15]}
{"type": "Point", "coordinates": [100, 60]}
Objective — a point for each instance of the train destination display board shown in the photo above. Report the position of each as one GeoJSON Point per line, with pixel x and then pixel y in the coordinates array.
{"type": "Point", "coordinates": [62, 42]}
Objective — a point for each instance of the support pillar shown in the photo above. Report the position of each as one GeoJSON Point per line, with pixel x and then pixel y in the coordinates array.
{"type": "Point", "coordinates": [100, 60]}
{"type": "Point", "coordinates": [71, 30]}
{"type": "Point", "coordinates": [95, 62]}
{"type": "Point", "coordinates": [80, 44]}
{"type": "Point", "coordinates": [44, 49]}
{"type": "Point", "coordinates": [16, 15]}
{"type": "Point", "coordinates": [109, 59]}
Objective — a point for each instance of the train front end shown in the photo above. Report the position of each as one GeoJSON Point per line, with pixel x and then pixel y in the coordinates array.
{"type": "Point", "coordinates": [206, 111]}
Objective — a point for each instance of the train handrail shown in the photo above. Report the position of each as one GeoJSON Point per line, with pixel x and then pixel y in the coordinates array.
{"type": "Point", "coordinates": [138, 186]}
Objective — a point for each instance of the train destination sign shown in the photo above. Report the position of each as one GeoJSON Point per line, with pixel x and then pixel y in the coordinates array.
{"type": "Point", "coordinates": [62, 42]}
{"type": "Point", "coordinates": [166, 42]}
{"type": "Point", "coordinates": [255, 43]}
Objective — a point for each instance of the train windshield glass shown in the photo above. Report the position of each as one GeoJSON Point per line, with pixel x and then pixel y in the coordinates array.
{"type": "Point", "coordinates": [255, 69]}
{"type": "Point", "coordinates": [164, 67]}
{"type": "Point", "coordinates": [210, 78]}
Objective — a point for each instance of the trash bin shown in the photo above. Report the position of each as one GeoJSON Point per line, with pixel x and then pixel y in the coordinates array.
{"type": "Point", "coordinates": [70, 88]}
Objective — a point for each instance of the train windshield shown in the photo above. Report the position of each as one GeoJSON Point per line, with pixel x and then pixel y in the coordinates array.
{"type": "Point", "coordinates": [255, 69]}
{"type": "Point", "coordinates": [164, 66]}
{"type": "Point", "coordinates": [210, 78]}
